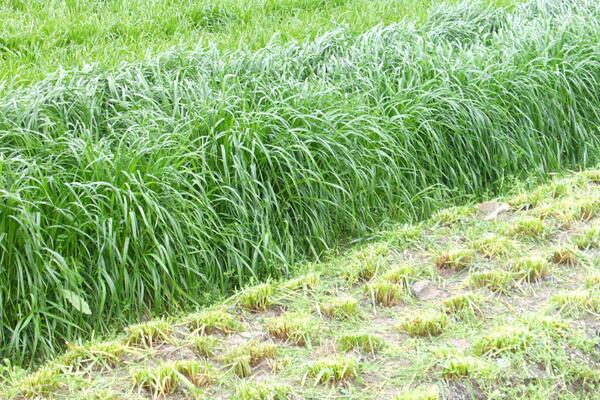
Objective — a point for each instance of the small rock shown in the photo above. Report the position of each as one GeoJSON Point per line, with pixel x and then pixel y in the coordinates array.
{"type": "Point", "coordinates": [489, 210]}
{"type": "Point", "coordinates": [425, 290]}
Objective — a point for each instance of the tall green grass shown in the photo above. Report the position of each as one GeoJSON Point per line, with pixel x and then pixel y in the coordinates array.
{"type": "Point", "coordinates": [141, 190]}
{"type": "Point", "coordinates": [41, 36]}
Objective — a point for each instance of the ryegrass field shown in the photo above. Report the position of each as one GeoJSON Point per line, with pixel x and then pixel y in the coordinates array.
{"type": "Point", "coordinates": [492, 301]}
{"type": "Point", "coordinates": [149, 188]}
{"type": "Point", "coordinates": [41, 36]}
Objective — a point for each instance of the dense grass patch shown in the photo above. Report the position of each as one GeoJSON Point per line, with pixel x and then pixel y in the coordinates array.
{"type": "Point", "coordinates": [37, 37]}
{"type": "Point", "coordinates": [142, 189]}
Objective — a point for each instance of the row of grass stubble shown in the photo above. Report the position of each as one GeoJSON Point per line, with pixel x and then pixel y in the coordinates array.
{"type": "Point", "coordinates": [142, 190]}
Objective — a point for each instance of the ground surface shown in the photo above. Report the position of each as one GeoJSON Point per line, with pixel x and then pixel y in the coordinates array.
{"type": "Point", "coordinates": [499, 300]}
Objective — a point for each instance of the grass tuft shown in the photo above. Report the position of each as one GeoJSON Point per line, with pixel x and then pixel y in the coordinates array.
{"type": "Point", "coordinates": [590, 239]}
{"type": "Point", "coordinates": [39, 385]}
{"type": "Point", "coordinates": [593, 281]}
{"type": "Point", "coordinates": [304, 282]}
{"type": "Point", "coordinates": [257, 298]}
{"type": "Point", "coordinates": [200, 374]}
{"type": "Point", "coordinates": [166, 378]}
{"type": "Point", "coordinates": [366, 262]}
{"type": "Point", "coordinates": [530, 269]}
{"type": "Point", "coordinates": [564, 255]}
{"type": "Point", "coordinates": [576, 302]}
{"type": "Point", "coordinates": [457, 367]}
{"type": "Point", "coordinates": [332, 371]}
{"type": "Point", "coordinates": [495, 280]}
{"type": "Point", "coordinates": [491, 246]}
{"type": "Point", "coordinates": [159, 381]}
{"type": "Point", "coordinates": [464, 302]}
{"type": "Point", "coordinates": [206, 346]}
{"type": "Point", "coordinates": [587, 209]}
{"type": "Point", "coordinates": [406, 275]}
{"type": "Point", "coordinates": [450, 216]}
{"type": "Point", "coordinates": [426, 324]}
{"type": "Point", "coordinates": [210, 321]}
{"type": "Point", "coordinates": [364, 342]}
{"type": "Point", "coordinates": [105, 355]}
{"type": "Point", "coordinates": [421, 393]}
{"type": "Point", "coordinates": [295, 328]}
{"type": "Point", "coordinates": [263, 391]}
{"type": "Point", "coordinates": [243, 358]}
{"type": "Point", "coordinates": [508, 340]}
{"type": "Point", "coordinates": [455, 260]}
{"type": "Point", "coordinates": [385, 293]}
{"type": "Point", "coordinates": [149, 334]}
{"type": "Point", "coordinates": [528, 228]}
{"type": "Point", "coordinates": [340, 307]}
{"type": "Point", "coordinates": [592, 176]}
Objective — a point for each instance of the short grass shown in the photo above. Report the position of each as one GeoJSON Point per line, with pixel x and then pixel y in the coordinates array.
{"type": "Point", "coordinates": [158, 186]}
{"type": "Point", "coordinates": [533, 338]}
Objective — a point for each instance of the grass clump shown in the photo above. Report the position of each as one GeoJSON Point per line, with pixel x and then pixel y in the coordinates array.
{"type": "Point", "coordinates": [159, 381]}
{"type": "Point", "coordinates": [340, 308]}
{"type": "Point", "coordinates": [166, 378]}
{"type": "Point", "coordinates": [102, 354]}
{"type": "Point", "coordinates": [450, 216]}
{"type": "Point", "coordinates": [590, 239]}
{"type": "Point", "coordinates": [41, 384]}
{"type": "Point", "coordinates": [332, 371]}
{"type": "Point", "coordinates": [587, 209]}
{"type": "Point", "coordinates": [364, 342]}
{"type": "Point", "coordinates": [592, 176]}
{"type": "Point", "coordinates": [528, 228]}
{"type": "Point", "coordinates": [593, 281]}
{"type": "Point", "coordinates": [242, 359]}
{"type": "Point", "coordinates": [366, 262]}
{"type": "Point", "coordinates": [295, 328]}
{"type": "Point", "coordinates": [495, 280]}
{"type": "Point", "coordinates": [200, 374]}
{"type": "Point", "coordinates": [263, 391]}
{"type": "Point", "coordinates": [206, 346]}
{"type": "Point", "coordinates": [421, 393]}
{"type": "Point", "coordinates": [149, 334]}
{"type": "Point", "coordinates": [491, 246]}
{"type": "Point", "coordinates": [509, 340]}
{"type": "Point", "coordinates": [213, 321]}
{"type": "Point", "coordinates": [527, 200]}
{"type": "Point", "coordinates": [564, 255]}
{"type": "Point", "coordinates": [457, 367]}
{"type": "Point", "coordinates": [530, 269]}
{"type": "Point", "coordinates": [257, 298]}
{"type": "Point", "coordinates": [426, 324]}
{"type": "Point", "coordinates": [304, 282]}
{"type": "Point", "coordinates": [405, 275]}
{"type": "Point", "coordinates": [463, 302]}
{"type": "Point", "coordinates": [455, 260]}
{"type": "Point", "coordinates": [385, 293]}
{"type": "Point", "coordinates": [576, 302]}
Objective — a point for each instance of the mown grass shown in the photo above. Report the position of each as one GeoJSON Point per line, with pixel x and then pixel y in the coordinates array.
{"type": "Point", "coordinates": [146, 189]}
{"type": "Point", "coordinates": [37, 37]}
